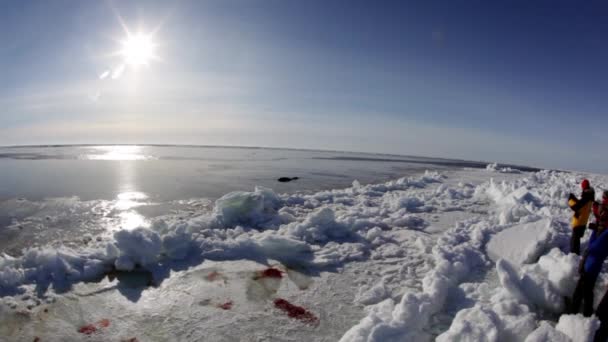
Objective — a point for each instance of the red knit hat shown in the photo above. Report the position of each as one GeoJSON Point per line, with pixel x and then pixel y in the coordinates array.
{"type": "Point", "coordinates": [585, 184]}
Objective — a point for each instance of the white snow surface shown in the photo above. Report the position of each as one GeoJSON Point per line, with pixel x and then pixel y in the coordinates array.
{"type": "Point", "coordinates": [521, 244]}
{"type": "Point", "coordinates": [466, 255]}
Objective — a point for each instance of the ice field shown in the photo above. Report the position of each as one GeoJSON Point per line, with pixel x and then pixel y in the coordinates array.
{"type": "Point", "coordinates": [449, 254]}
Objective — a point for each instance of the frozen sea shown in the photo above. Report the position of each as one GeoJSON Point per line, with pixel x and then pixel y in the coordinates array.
{"type": "Point", "coordinates": [167, 243]}
{"type": "Point", "coordinates": [57, 193]}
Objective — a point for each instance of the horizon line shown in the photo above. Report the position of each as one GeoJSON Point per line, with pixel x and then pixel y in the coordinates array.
{"type": "Point", "coordinates": [273, 148]}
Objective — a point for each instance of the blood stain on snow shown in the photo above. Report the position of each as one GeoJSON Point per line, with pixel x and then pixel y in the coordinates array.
{"type": "Point", "coordinates": [269, 273]}
{"type": "Point", "coordinates": [87, 329]}
{"type": "Point", "coordinates": [91, 328]}
{"type": "Point", "coordinates": [226, 306]}
{"type": "Point", "coordinates": [295, 311]}
{"type": "Point", "coordinates": [36, 339]}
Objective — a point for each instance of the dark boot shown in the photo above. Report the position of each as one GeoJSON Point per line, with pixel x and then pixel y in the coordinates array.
{"type": "Point", "coordinates": [577, 297]}
{"type": "Point", "coordinates": [583, 294]}
{"type": "Point", "coordinates": [601, 335]}
{"type": "Point", "coordinates": [575, 239]}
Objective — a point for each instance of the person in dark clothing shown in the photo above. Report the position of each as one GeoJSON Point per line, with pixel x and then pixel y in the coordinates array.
{"type": "Point", "coordinates": [592, 261]}
{"type": "Point", "coordinates": [582, 210]}
{"type": "Point", "coordinates": [601, 335]}
{"type": "Point", "coordinates": [601, 215]}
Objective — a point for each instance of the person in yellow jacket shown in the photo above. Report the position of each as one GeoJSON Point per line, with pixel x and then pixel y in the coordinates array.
{"type": "Point", "coordinates": [582, 210]}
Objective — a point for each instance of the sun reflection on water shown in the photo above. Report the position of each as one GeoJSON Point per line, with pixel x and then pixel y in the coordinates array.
{"type": "Point", "coordinates": [117, 152]}
{"type": "Point", "coordinates": [125, 204]}
{"type": "Point", "coordinates": [123, 213]}
{"type": "Point", "coordinates": [131, 219]}
{"type": "Point", "coordinates": [130, 199]}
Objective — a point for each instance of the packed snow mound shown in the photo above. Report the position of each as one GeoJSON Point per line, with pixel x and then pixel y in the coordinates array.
{"type": "Point", "coordinates": [504, 320]}
{"type": "Point", "coordinates": [578, 327]}
{"type": "Point", "coordinates": [505, 194]}
{"type": "Point", "coordinates": [515, 202]}
{"type": "Point", "coordinates": [543, 284]}
{"type": "Point", "coordinates": [176, 244]}
{"type": "Point", "coordinates": [547, 333]}
{"type": "Point", "coordinates": [522, 244]}
{"type": "Point", "coordinates": [484, 329]}
{"type": "Point", "coordinates": [45, 267]}
{"type": "Point", "coordinates": [319, 227]}
{"type": "Point", "coordinates": [140, 246]}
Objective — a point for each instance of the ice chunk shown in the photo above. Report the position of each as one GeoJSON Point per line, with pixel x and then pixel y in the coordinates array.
{"type": "Point", "coordinates": [521, 243]}
{"type": "Point", "coordinates": [284, 249]}
{"type": "Point", "coordinates": [376, 294]}
{"type": "Point", "coordinates": [247, 208]}
{"type": "Point", "coordinates": [547, 333]}
{"type": "Point", "coordinates": [474, 324]}
{"type": "Point", "coordinates": [578, 327]}
{"type": "Point", "coordinates": [319, 227]}
{"type": "Point", "coordinates": [543, 284]}
{"type": "Point", "coordinates": [176, 244]}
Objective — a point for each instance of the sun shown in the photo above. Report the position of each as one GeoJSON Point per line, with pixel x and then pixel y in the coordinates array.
{"type": "Point", "coordinates": [138, 49]}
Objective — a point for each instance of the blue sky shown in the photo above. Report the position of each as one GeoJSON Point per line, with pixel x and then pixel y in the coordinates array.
{"type": "Point", "coordinates": [514, 81]}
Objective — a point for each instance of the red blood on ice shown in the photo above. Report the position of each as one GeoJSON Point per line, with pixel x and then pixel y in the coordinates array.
{"type": "Point", "coordinates": [36, 339]}
{"type": "Point", "coordinates": [225, 306]}
{"type": "Point", "coordinates": [104, 323]}
{"type": "Point", "coordinates": [87, 329]}
{"type": "Point", "coordinates": [91, 328]}
{"type": "Point", "coordinates": [295, 311]}
{"type": "Point", "coordinates": [270, 273]}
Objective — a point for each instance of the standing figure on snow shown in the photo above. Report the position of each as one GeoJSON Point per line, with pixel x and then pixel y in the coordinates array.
{"type": "Point", "coordinates": [592, 261]}
{"type": "Point", "coordinates": [601, 215]}
{"type": "Point", "coordinates": [582, 210]}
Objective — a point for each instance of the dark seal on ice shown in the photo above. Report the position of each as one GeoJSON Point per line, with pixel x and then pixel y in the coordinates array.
{"type": "Point", "coordinates": [287, 179]}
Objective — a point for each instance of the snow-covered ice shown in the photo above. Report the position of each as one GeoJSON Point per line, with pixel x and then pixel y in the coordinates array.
{"type": "Point", "coordinates": [522, 243]}
{"type": "Point", "coordinates": [458, 255]}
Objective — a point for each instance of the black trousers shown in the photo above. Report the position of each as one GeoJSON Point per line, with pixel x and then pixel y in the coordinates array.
{"type": "Point", "coordinates": [601, 335]}
{"type": "Point", "coordinates": [575, 239]}
{"type": "Point", "coordinates": [584, 294]}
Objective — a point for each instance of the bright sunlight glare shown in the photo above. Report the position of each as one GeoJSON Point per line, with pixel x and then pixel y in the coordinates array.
{"type": "Point", "coordinates": [138, 49]}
